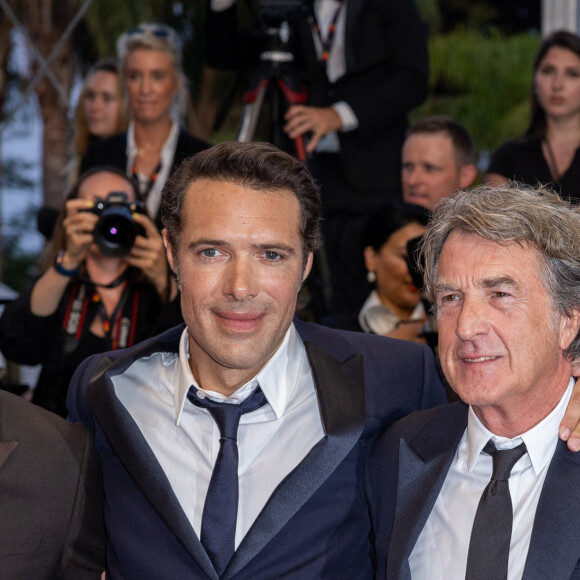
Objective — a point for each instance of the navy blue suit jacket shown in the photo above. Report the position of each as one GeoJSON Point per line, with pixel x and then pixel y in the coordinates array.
{"type": "Point", "coordinates": [410, 462]}
{"type": "Point", "coordinates": [316, 523]}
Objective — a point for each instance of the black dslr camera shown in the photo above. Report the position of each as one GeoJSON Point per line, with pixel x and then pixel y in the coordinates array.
{"type": "Point", "coordinates": [116, 229]}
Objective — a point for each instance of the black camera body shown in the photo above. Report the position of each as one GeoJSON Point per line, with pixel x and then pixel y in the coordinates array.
{"type": "Point", "coordinates": [116, 229]}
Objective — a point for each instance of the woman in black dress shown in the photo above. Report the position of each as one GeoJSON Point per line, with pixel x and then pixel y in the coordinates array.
{"type": "Point", "coordinates": [548, 152]}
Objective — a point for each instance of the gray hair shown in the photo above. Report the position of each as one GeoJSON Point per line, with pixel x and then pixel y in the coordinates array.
{"type": "Point", "coordinates": [532, 216]}
{"type": "Point", "coordinates": [161, 38]}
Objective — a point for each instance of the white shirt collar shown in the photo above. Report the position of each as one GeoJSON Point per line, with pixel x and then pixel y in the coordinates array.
{"type": "Point", "coordinates": [375, 317]}
{"type": "Point", "coordinates": [540, 440]}
{"type": "Point", "coordinates": [277, 378]}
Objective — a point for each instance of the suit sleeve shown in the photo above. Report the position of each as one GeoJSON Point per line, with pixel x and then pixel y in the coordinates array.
{"type": "Point", "coordinates": [398, 81]}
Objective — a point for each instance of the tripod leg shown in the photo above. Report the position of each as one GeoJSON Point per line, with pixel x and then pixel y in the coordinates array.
{"type": "Point", "coordinates": [294, 94]}
{"type": "Point", "coordinates": [251, 113]}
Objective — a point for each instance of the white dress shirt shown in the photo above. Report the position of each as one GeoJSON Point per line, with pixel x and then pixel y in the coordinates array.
{"type": "Point", "coordinates": [441, 550]}
{"type": "Point", "coordinates": [272, 440]}
{"type": "Point", "coordinates": [167, 154]}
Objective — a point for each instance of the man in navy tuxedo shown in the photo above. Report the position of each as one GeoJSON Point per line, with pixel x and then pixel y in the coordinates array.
{"type": "Point", "coordinates": [242, 222]}
{"type": "Point", "coordinates": [502, 267]}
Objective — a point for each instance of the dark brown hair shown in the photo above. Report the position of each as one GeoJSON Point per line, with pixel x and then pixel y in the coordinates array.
{"type": "Point", "coordinates": [259, 166]}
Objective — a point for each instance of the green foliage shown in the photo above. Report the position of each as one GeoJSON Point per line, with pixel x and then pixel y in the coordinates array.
{"type": "Point", "coordinates": [483, 81]}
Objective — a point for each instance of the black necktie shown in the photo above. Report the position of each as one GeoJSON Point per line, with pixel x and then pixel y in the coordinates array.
{"type": "Point", "coordinates": [220, 511]}
{"type": "Point", "coordinates": [489, 547]}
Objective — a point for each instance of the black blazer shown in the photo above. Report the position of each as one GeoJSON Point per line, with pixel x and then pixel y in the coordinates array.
{"type": "Point", "coordinates": [51, 497]}
{"type": "Point", "coordinates": [113, 151]}
{"type": "Point", "coordinates": [410, 463]}
{"type": "Point", "coordinates": [315, 524]}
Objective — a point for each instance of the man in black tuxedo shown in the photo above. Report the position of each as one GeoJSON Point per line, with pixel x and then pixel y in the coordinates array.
{"type": "Point", "coordinates": [483, 488]}
{"type": "Point", "coordinates": [242, 222]}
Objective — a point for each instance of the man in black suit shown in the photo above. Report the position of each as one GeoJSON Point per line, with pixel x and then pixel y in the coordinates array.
{"type": "Point", "coordinates": [51, 503]}
{"type": "Point", "coordinates": [242, 222]}
{"type": "Point", "coordinates": [502, 267]}
{"type": "Point", "coordinates": [365, 65]}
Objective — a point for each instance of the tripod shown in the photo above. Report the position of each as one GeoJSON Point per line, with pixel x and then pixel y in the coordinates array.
{"type": "Point", "coordinates": [276, 80]}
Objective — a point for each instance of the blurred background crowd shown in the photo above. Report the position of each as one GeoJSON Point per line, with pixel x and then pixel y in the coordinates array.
{"type": "Point", "coordinates": [393, 105]}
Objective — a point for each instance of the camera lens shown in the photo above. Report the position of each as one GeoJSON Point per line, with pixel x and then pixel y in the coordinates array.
{"type": "Point", "coordinates": [115, 232]}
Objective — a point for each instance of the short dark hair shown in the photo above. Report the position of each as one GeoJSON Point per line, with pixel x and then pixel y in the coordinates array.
{"type": "Point", "coordinates": [559, 39]}
{"type": "Point", "coordinates": [259, 166]}
{"type": "Point", "coordinates": [462, 142]}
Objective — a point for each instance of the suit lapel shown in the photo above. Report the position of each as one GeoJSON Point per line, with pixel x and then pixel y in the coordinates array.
{"type": "Point", "coordinates": [131, 448]}
{"type": "Point", "coordinates": [423, 465]}
{"type": "Point", "coordinates": [6, 449]}
{"type": "Point", "coordinates": [353, 20]}
{"type": "Point", "coordinates": [555, 544]}
{"type": "Point", "coordinates": [340, 391]}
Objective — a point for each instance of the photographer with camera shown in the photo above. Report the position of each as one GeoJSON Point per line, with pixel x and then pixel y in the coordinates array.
{"type": "Point", "coordinates": [105, 285]}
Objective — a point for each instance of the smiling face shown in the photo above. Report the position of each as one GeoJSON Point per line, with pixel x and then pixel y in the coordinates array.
{"type": "Point", "coordinates": [151, 82]}
{"type": "Point", "coordinates": [102, 103]}
{"type": "Point", "coordinates": [500, 341]}
{"type": "Point", "coordinates": [557, 83]}
{"type": "Point", "coordinates": [240, 266]}
{"type": "Point", "coordinates": [394, 284]}
{"type": "Point", "coordinates": [430, 170]}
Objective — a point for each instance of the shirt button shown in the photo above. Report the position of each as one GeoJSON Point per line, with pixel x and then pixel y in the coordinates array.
{"type": "Point", "coordinates": [200, 395]}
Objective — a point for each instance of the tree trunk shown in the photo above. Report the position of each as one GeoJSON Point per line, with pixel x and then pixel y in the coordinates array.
{"type": "Point", "coordinates": [45, 30]}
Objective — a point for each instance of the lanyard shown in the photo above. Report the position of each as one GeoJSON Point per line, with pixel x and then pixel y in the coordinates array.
{"type": "Point", "coordinates": [152, 178]}
{"type": "Point", "coordinates": [329, 40]}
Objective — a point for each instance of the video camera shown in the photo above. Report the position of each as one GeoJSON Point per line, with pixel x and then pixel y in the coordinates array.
{"type": "Point", "coordinates": [116, 229]}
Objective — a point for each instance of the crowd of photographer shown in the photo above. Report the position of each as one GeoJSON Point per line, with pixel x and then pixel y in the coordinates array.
{"type": "Point", "coordinates": [105, 285]}
{"type": "Point", "coordinates": [105, 281]}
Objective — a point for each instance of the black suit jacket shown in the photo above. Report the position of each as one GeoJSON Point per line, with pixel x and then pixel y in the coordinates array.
{"type": "Point", "coordinates": [386, 76]}
{"type": "Point", "coordinates": [315, 524]}
{"type": "Point", "coordinates": [113, 151]}
{"type": "Point", "coordinates": [410, 463]}
{"type": "Point", "coordinates": [51, 503]}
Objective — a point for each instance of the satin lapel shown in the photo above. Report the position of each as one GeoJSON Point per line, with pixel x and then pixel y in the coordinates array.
{"type": "Point", "coordinates": [6, 448]}
{"type": "Point", "coordinates": [555, 543]}
{"type": "Point", "coordinates": [423, 466]}
{"type": "Point", "coordinates": [130, 447]}
{"type": "Point", "coordinates": [340, 390]}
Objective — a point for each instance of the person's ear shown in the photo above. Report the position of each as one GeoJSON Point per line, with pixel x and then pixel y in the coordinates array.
{"type": "Point", "coordinates": [467, 175]}
{"type": "Point", "coordinates": [169, 250]}
{"type": "Point", "coordinates": [370, 257]}
{"type": "Point", "coordinates": [569, 326]}
{"type": "Point", "coordinates": [308, 266]}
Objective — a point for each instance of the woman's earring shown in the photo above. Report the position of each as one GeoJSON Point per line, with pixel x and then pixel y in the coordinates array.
{"type": "Point", "coordinates": [371, 277]}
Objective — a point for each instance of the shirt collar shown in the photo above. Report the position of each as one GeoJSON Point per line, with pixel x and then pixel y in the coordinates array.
{"type": "Point", "coordinates": [377, 318]}
{"type": "Point", "coordinates": [277, 378]}
{"type": "Point", "coordinates": [168, 146]}
{"type": "Point", "coordinates": [540, 440]}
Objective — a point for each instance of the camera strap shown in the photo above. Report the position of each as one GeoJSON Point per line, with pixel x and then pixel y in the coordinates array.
{"type": "Point", "coordinates": [327, 42]}
{"type": "Point", "coordinates": [85, 303]}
